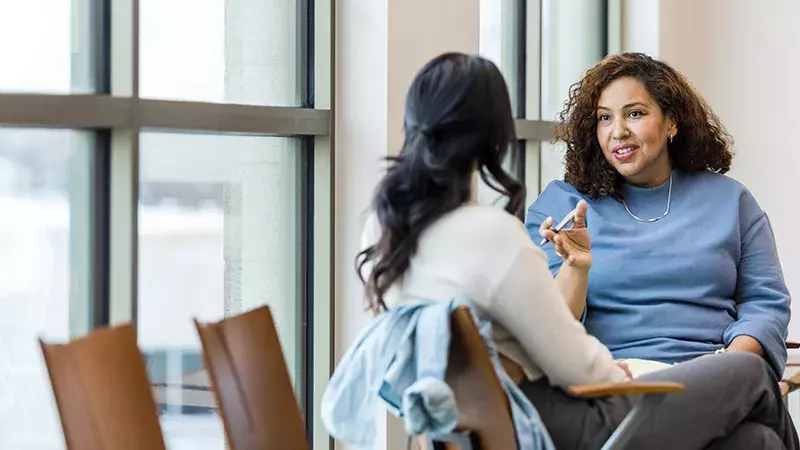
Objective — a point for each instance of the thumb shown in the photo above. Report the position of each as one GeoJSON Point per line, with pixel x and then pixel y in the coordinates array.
{"type": "Point", "coordinates": [580, 215]}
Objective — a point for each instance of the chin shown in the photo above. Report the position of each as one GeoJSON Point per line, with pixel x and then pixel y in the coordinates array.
{"type": "Point", "coordinates": [627, 171]}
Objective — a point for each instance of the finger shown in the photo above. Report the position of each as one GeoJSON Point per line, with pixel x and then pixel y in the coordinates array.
{"type": "Point", "coordinates": [548, 234]}
{"type": "Point", "coordinates": [574, 239]}
{"type": "Point", "coordinates": [546, 225]}
{"type": "Point", "coordinates": [561, 249]}
{"type": "Point", "coordinates": [627, 370]}
{"type": "Point", "coordinates": [580, 215]}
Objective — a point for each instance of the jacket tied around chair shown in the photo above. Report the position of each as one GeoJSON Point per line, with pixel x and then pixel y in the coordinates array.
{"type": "Point", "coordinates": [401, 360]}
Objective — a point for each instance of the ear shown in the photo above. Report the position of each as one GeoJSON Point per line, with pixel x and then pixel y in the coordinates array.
{"type": "Point", "coordinates": [672, 127]}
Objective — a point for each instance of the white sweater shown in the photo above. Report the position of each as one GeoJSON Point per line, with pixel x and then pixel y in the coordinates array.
{"type": "Point", "coordinates": [487, 255]}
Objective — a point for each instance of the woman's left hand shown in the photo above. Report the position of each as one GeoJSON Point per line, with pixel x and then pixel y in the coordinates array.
{"type": "Point", "coordinates": [624, 366]}
{"type": "Point", "coordinates": [572, 244]}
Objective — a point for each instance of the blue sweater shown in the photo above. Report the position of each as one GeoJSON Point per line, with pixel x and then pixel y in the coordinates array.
{"type": "Point", "coordinates": [686, 285]}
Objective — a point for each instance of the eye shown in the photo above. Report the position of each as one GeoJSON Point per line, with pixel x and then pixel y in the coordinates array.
{"type": "Point", "coordinates": [635, 114]}
{"type": "Point", "coordinates": [603, 117]}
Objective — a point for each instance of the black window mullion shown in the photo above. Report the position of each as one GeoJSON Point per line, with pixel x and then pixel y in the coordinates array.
{"type": "Point", "coordinates": [101, 170]}
{"type": "Point", "coordinates": [101, 229]}
{"type": "Point", "coordinates": [520, 28]}
{"type": "Point", "coordinates": [306, 18]}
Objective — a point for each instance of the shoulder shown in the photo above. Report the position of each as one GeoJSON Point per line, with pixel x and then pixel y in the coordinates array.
{"type": "Point", "coordinates": [490, 234]}
{"type": "Point", "coordinates": [723, 186]}
{"type": "Point", "coordinates": [555, 200]}
{"type": "Point", "coordinates": [726, 190]}
{"type": "Point", "coordinates": [483, 241]}
{"type": "Point", "coordinates": [714, 183]}
{"type": "Point", "coordinates": [560, 189]}
{"type": "Point", "coordinates": [468, 223]}
{"type": "Point", "coordinates": [483, 223]}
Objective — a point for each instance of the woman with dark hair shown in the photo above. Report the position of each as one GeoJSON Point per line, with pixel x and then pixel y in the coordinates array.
{"type": "Point", "coordinates": [428, 240]}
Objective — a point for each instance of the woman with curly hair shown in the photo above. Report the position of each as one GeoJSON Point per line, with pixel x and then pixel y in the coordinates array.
{"type": "Point", "coordinates": [683, 260]}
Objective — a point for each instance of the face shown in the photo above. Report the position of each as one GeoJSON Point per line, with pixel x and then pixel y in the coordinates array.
{"type": "Point", "coordinates": [633, 133]}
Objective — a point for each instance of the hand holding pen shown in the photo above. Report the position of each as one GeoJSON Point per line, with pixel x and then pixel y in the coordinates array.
{"type": "Point", "coordinates": [572, 244]}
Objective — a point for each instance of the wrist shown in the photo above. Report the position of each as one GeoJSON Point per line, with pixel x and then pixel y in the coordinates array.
{"type": "Point", "coordinates": [748, 344]}
{"type": "Point", "coordinates": [581, 267]}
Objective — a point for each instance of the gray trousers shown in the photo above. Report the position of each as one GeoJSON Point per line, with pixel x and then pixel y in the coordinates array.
{"type": "Point", "coordinates": [731, 401]}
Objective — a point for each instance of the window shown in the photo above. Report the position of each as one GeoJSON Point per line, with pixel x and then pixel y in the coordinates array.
{"type": "Point", "coordinates": [542, 48]}
{"type": "Point", "coordinates": [163, 160]}
{"type": "Point", "coordinates": [236, 51]}
{"type": "Point", "coordinates": [223, 209]}
{"type": "Point", "coordinates": [53, 52]}
{"type": "Point", "coordinates": [500, 27]}
{"type": "Point", "coordinates": [45, 231]}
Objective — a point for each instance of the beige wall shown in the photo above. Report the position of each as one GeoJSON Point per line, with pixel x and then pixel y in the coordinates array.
{"type": "Point", "coordinates": [744, 57]}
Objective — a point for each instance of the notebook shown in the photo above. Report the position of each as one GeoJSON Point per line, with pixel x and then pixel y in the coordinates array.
{"type": "Point", "coordinates": [641, 367]}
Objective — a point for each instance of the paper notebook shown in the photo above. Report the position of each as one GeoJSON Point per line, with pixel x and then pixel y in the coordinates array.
{"type": "Point", "coordinates": [641, 367]}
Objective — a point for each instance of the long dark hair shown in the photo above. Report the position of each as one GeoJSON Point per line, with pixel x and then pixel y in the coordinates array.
{"type": "Point", "coordinates": [457, 119]}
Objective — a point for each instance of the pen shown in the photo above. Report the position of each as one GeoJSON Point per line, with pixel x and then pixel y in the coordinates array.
{"type": "Point", "coordinates": [564, 222]}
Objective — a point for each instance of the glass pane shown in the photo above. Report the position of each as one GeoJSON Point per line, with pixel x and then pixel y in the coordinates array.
{"type": "Point", "coordinates": [488, 196]}
{"type": "Point", "coordinates": [218, 235]}
{"type": "Point", "coordinates": [552, 162]}
{"type": "Point", "coordinates": [573, 39]}
{"type": "Point", "coordinates": [544, 162]}
{"type": "Point", "coordinates": [237, 51]}
{"type": "Point", "coordinates": [47, 46]}
{"type": "Point", "coordinates": [532, 166]}
{"type": "Point", "coordinates": [45, 265]}
{"type": "Point", "coordinates": [499, 40]}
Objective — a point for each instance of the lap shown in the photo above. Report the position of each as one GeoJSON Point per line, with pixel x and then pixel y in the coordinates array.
{"type": "Point", "coordinates": [722, 391]}
{"type": "Point", "coordinates": [749, 436]}
{"type": "Point", "coordinates": [575, 423]}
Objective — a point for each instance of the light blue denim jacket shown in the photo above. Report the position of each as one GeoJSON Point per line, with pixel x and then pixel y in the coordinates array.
{"type": "Point", "coordinates": [401, 359]}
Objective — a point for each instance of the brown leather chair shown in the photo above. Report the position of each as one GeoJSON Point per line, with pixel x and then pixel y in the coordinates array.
{"type": "Point", "coordinates": [102, 392]}
{"type": "Point", "coordinates": [484, 415]}
{"type": "Point", "coordinates": [251, 383]}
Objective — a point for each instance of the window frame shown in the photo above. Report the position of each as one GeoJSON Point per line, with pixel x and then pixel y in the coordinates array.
{"type": "Point", "coordinates": [532, 128]}
{"type": "Point", "coordinates": [116, 115]}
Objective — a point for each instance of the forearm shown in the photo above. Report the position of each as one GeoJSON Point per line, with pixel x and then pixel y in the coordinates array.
{"type": "Point", "coordinates": [743, 343]}
{"type": "Point", "coordinates": [573, 283]}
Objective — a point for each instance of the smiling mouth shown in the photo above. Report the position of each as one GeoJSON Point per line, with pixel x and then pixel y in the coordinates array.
{"type": "Point", "coordinates": [624, 152]}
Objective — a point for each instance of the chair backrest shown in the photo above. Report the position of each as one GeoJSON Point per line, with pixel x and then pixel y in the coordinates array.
{"type": "Point", "coordinates": [482, 404]}
{"type": "Point", "coordinates": [251, 382]}
{"type": "Point", "coordinates": [102, 392]}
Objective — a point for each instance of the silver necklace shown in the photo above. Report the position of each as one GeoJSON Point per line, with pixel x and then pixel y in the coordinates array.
{"type": "Point", "coordinates": [654, 219]}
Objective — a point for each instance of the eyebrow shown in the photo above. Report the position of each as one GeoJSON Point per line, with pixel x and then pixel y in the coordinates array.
{"type": "Point", "coordinates": [629, 105]}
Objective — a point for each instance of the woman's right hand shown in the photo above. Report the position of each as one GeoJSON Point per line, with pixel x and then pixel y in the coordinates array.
{"type": "Point", "coordinates": [572, 244]}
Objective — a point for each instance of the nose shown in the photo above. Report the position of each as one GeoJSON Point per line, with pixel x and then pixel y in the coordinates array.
{"type": "Point", "coordinates": [620, 130]}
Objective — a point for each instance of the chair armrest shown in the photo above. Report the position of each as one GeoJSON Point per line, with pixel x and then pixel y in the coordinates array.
{"type": "Point", "coordinates": [792, 345]}
{"type": "Point", "coordinates": [624, 388]}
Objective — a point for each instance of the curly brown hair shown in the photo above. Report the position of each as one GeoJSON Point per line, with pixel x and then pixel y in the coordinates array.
{"type": "Point", "coordinates": [702, 143]}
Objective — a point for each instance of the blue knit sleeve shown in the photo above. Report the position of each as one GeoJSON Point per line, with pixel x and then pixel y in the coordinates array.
{"type": "Point", "coordinates": [556, 201]}
{"type": "Point", "coordinates": [763, 301]}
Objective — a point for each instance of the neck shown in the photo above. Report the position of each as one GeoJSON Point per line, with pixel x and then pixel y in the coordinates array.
{"type": "Point", "coordinates": [654, 177]}
{"type": "Point", "coordinates": [653, 182]}
{"type": "Point", "coordinates": [473, 192]}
